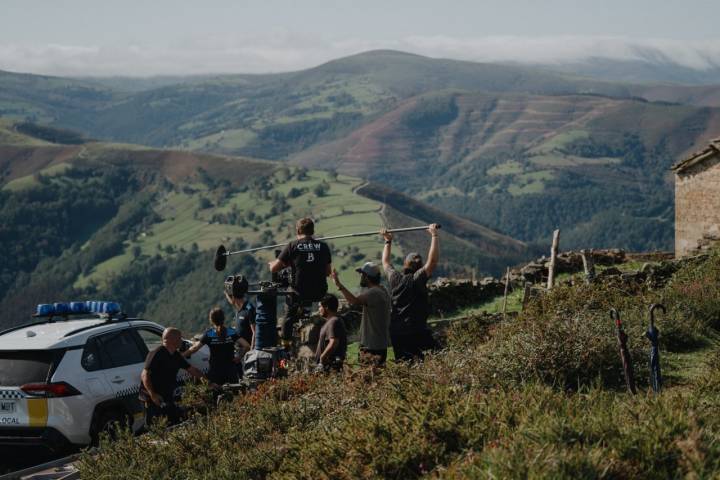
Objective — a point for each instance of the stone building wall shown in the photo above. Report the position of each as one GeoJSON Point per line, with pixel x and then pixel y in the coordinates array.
{"type": "Point", "coordinates": [697, 207]}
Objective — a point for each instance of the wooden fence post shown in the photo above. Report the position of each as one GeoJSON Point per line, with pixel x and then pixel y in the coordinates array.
{"type": "Point", "coordinates": [553, 256]}
{"type": "Point", "coordinates": [507, 284]}
{"type": "Point", "coordinates": [526, 294]}
{"type": "Point", "coordinates": [588, 265]}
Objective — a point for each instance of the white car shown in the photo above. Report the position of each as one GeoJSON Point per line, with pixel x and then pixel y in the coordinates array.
{"type": "Point", "coordinates": [66, 378]}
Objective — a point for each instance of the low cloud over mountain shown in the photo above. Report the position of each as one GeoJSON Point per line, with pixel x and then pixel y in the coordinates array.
{"type": "Point", "coordinates": [283, 51]}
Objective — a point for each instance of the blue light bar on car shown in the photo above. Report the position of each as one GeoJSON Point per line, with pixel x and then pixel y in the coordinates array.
{"type": "Point", "coordinates": [45, 309]}
{"type": "Point", "coordinates": [104, 307]}
{"type": "Point", "coordinates": [78, 307]}
{"type": "Point", "coordinates": [75, 308]}
{"type": "Point", "coordinates": [61, 308]}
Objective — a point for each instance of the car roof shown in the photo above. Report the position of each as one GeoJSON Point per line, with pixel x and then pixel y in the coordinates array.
{"type": "Point", "coordinates": [62, 334]}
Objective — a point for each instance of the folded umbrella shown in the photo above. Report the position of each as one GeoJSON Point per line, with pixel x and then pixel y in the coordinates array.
{"type": "Point", "coordinates": [624, 353]}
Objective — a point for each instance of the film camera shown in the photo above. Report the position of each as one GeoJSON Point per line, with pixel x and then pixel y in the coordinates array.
{"type": "Point", "coordinates": [236, 286]}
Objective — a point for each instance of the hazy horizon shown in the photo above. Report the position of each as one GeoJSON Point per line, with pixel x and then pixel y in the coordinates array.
{"type": "Point", "coordinates": [165, 37]}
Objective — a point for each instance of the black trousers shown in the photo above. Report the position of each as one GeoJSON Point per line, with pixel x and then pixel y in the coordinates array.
{"type": "Point", "coordinates": [169, 410]}
{"type": "Point", "coordinates": [295, 308]}
{"type": "Point", "coordinates": [224, 375]}
{"type": "Point", "coordinates": [412, 347]}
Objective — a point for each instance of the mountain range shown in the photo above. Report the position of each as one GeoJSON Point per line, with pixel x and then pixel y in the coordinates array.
{"type": "Point", "coordinates": [509, 152]}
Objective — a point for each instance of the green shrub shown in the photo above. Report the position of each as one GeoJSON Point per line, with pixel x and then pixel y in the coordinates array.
{"type": "Point", "coordinates": [525, 398]}
{"type": "Point", "coordinates": [468, 333]}
{"type": "Point", "coordinates": [693, 293]}
{"type": "Point", "coordinates": [566, 338]}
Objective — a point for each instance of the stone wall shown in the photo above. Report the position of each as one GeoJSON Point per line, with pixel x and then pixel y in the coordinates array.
{"type": "Point", "coordinates": [697, 207]}
{"type": "Point", "coordinates": [566, 262]}
{"type": "Point", "coordinates": [447, 295]}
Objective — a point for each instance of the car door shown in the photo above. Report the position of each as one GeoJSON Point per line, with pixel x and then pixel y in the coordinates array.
{"type": "Point", "coordinates": [122, 361]}
{"type": "Point", "coordinates": [95, 381]}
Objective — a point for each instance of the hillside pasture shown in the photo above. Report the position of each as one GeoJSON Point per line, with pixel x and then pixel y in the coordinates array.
{"type": "Point", "coordinates": [184, 223]}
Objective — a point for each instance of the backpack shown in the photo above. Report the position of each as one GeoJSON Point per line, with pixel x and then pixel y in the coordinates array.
{"type": "Point", "coordinates": [262, 364]}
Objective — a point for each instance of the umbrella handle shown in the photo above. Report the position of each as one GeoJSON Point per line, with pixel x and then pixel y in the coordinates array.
{"type": "Point", "coordinates": [653, 307]}
{"type": "Point", "coordinates": [615, 316]}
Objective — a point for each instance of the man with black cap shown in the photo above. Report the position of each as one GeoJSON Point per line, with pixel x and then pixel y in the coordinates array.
{"type": "Point", "coordinates": [376, 302]}
{"type": "Point", "coordinates": [409, 331]}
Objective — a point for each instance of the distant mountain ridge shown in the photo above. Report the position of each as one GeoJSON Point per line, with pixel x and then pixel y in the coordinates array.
{"type": "Point", "coordinates": [506, 146]}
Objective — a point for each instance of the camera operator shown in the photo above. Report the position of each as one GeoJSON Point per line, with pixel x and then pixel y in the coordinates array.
{"type": "Point", "coordinates": [310, 261]}
{"type": "Point", "coordinates": [236, 287]}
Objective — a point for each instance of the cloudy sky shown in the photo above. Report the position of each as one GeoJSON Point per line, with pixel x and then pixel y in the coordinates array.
{"type": "Point", "coordinates": [156, 37]}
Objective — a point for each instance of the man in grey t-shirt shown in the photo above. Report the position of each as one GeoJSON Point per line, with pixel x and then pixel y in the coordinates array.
{"type": "Point", "coordinates": [332, 341]}
{"type": "Point", "coordinates": [375, 322]}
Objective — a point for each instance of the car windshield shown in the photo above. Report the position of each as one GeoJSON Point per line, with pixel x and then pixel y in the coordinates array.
{"type": "Point", "coordinates": [25, 366]}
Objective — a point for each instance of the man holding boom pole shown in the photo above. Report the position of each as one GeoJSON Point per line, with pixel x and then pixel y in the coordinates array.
{"type": "Point", "coordinates": [409, 331]}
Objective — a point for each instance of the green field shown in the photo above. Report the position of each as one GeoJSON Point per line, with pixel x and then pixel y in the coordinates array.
{"type": "Point", "coordinates": [32, 180]}
{"type": "Point", "coordinates": [508, 168]}
{"type": "Point", "coordinates": [559, 141]}
{"type": "Point", "coordinates": [183, 223]}
{"type": "Point", "coordinates": [559, 160]}
{"type": "Point", "coordinates": [8, 135]}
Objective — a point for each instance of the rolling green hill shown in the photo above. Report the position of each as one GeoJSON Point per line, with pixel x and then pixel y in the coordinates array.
{"type": "Point", "coordinates": [271, 116]}
{"type": "Point", "coordinates": [141, 225]}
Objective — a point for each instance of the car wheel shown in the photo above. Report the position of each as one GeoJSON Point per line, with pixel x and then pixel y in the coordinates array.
{"type": "Point", "coordinates": [111, 423]}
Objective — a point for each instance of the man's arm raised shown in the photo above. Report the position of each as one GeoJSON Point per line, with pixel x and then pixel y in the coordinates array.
{"type": "Point", "coordinates": [351, 299]}
{"type": "Point", "coordinates": [386, 256]}
{"type": "Point", "coordinates": [434, 252]}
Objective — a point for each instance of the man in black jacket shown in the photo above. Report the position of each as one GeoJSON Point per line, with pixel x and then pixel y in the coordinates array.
{"type": "Point", "coordinates": [409, 331]}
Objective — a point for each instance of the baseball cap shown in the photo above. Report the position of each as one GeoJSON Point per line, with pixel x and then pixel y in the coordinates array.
{"type": "Point", "coordinates": [369, 269]}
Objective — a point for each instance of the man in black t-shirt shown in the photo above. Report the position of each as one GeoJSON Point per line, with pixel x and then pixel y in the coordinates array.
{"type": "Point", "coordinates": [311, 264]}
{"type": "Point", "coordinates": [159, 378]}
{"type": "Point", "coordinates": [409, 331]}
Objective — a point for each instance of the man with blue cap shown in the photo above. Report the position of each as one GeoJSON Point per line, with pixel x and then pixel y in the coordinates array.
{"type": "Point", "coordinates": [409, 330]}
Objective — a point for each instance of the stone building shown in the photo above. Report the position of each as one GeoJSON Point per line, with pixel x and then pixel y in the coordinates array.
{"type": "Point", "coordinates": [697, 201]}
